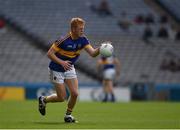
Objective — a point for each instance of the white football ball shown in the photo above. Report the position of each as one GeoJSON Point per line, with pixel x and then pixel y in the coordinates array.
{"type": "Point", "coordinates": [106, 49]}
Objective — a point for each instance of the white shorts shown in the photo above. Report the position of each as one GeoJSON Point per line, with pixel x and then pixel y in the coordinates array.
{"type": "Point", "coordinates": [109, 74]}
{"type": "Point", "coordinates": [59, 77]}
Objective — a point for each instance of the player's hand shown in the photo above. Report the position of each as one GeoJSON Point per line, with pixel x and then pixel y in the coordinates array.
{"type": "Point", "coordinates": [66, 65]}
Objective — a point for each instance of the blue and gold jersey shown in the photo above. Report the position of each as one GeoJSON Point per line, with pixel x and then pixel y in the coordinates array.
{"type": "Point", "coordinates": [68, 49]}
{"type": "Point", "coordinates": [107, 62]}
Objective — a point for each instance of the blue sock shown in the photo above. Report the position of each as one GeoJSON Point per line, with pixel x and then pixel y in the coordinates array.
{"type": "Point", "coordinates": [112, 97]}
{"type": "Point", "coordinates": [105, 97]}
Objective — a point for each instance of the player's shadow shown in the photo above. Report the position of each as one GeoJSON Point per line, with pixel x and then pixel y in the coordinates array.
{"type": "Point", "coordinates": [48, 123]}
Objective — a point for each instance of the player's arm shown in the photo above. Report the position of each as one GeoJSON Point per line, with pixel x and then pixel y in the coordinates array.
{"type": "Point", "coordinates": [98, 65]}
{"type": "Point", "coordinates": [51, 55]}
{"type": "Point", "coordinates": [91, 51]}
{"type": "Point", "coordinates": [118, 66]}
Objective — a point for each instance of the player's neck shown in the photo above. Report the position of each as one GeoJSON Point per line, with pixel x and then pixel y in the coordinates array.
{"type": "Point", "coordinates": [74, 36]}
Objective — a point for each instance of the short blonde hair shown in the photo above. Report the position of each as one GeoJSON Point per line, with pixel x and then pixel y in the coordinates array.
{"type": "Point", "coordinates": [76, 21]}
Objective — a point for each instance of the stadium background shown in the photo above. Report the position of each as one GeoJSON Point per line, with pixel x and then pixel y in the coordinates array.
{"type": "Point", "coordinates": [28, 28]}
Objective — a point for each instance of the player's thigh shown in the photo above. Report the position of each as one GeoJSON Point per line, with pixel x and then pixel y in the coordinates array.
{"type": "Point", "coordinates": [57, 78]}
{"type": "Point", "coordinates": [72, 85]}
{"type": "Point", "coordinates": [108, 84]}
{"type": "Point", "coordinates": [60, 90]}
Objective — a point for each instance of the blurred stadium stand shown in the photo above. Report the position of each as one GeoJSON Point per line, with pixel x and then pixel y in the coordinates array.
{"type": "Point", "coordinates": [46, 20]}
{"type": "Point", "coordinates": [172, 6]}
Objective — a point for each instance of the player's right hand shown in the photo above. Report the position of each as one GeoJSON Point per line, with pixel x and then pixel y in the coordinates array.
{"type": "Point", "coordinates": [66, 65]}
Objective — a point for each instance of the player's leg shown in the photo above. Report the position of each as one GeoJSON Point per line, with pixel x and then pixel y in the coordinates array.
{"type": "Point", "coordinates": [57, 78]}
{"type": "Point", "coordinates": [73, 88]}
{"type": "Point", "coordinates": [110, 90]}
{"type": "Point", "coordinates": [108, 85]}
{"type": "Point", "coordinates": [72, 83]}
{"type": "Point", "coordinates": [59, 96]}
{"type": "Point", "coordinates": [105, 90]}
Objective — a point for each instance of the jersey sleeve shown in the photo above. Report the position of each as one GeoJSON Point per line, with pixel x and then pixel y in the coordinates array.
{"type": "Point", "coordinates": [56, 44]}
{"type": "Point", "coordinates": [86, 43]}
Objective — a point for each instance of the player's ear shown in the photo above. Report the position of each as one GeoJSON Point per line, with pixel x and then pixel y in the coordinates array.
{"type": "Point", "coordinates": [72, 29]}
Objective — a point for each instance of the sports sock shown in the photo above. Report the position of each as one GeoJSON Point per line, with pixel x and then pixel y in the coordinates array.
{"type": "Point", "coordinates": [105, 97]}
{"type": "Point", "coordinates": [112, 97]}
{"type": "Point", "coordinates": [68, 111]}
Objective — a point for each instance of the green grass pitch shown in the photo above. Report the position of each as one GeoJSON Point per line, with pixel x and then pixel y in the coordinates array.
{"type": "Point", "coordinates": [91, 115]}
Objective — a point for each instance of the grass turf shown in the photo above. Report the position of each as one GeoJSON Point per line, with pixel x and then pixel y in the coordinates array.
{"type": "Point", "coordinates": [91, 115]}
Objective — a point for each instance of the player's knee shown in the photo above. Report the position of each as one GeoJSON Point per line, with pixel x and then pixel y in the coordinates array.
{"type": "Point", "coordinates": [60, 98]}
{"type": "Point", "coordinates": [74, 94]}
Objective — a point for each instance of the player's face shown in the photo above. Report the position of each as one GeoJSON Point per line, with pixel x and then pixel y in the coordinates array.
{"type": "Point", "coordinates": [79, 30]}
